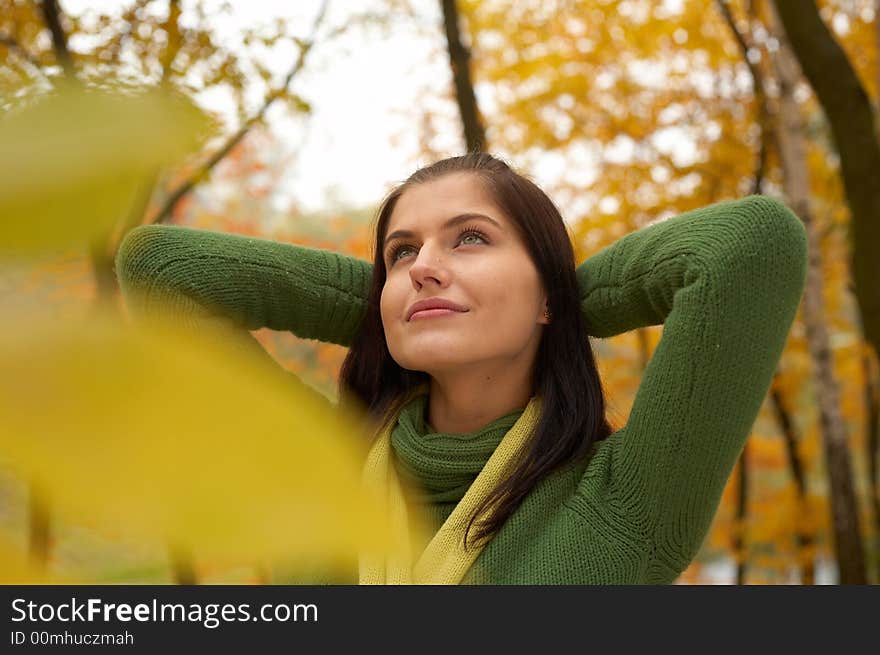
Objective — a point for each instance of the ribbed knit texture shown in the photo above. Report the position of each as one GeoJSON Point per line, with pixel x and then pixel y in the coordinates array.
{"type": "Point", "coordinates": [724, 280]}
{"type": "Point", "coordinates": [226, 284]}
{"type": "Point", "coordinates": [444, 560]}
{"type": "Point", "coordinates": [441, 467]}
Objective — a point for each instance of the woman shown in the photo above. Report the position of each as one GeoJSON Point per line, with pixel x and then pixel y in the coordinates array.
{"type": "Point", "coordinates": [468, 346]}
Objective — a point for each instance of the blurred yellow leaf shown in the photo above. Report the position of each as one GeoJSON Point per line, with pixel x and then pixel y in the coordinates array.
{"type": "Point", "coordinates": [172, 436]}
{"type": "Point", "coordinates": [15, 567]}
{"type": "Point", "coordinates": [73, 159]}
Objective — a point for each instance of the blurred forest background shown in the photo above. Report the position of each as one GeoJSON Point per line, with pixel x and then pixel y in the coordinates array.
{"type": "Point", "coordinates": [626, 111]}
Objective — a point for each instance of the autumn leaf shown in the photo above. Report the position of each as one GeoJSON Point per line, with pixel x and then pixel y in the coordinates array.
{"type": "Point", "coordinates": [175, 437]}
{"type": "Point", "coordinates": [73, 159]}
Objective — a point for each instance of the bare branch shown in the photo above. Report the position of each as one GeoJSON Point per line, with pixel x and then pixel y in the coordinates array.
{"type": "Point", "coordinates": [52, 15]}
{"type": "Point", "coordinates": [172, 29]}
{"type": "Point", "coordinates": [760, 94]}
{"type": "Point", "coordinates": [203, 171]}
{"type": "Point", "coordinates": [459, 62]}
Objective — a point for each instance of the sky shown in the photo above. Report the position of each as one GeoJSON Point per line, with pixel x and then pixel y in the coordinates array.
{"type": "Point", "coordinates": [360, 138]}
{"type": "Point", "coordinates": [367, 93]}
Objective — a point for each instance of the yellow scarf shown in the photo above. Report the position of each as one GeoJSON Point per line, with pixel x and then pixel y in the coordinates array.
{"type": "Point", "coordinates": [445, 560]}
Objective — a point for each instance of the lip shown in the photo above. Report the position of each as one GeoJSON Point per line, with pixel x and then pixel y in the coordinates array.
{"type": "Point", "coordinates": [433, 303]}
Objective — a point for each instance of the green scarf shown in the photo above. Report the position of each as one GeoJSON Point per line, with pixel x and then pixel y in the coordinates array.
{"type": "Point", "coordinates": [439, 467]}
{"type": "Point", "coordinates": [445, 473]}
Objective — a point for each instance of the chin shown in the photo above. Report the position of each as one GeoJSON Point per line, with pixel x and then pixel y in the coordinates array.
{"type": "Point", "coordinates": [430, 364]}
{"type": "Point", "coordinates": [437, 358]}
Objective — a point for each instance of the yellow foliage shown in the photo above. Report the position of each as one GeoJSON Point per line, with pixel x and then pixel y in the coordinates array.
{"type": "Point", "coordinates": [178, 439]}
{"type": "Point", "coordinates": [17, 569]}
{"type": "Point", "coordinates": [73, 160]}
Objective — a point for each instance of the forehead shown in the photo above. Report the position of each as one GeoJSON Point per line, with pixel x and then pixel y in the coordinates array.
{"type": "Point", "coordinates": [425, 204]}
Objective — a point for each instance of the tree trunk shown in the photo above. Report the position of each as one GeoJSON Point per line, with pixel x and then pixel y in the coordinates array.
{"type": "Point", "coordinates": [844, 506]}
{"type": "Point", "coordinates": [183, 569]}
{"type": "Point", "coordinates": [742, 509]}
{"type": "Point", "coordinates": [100, 247]}
{"type": "Point", "coordinates": [877, 70]}
{"type": "Point", "coordinates": [805, 539]}
{"type": "Point", "coordinates": [459, 61]}
{"type": "Point", "coordinates": [872, 443]}
{"type": "Point", "coordinates": [851, 117]}
{"type": "Point", "coordinates": [39, 528]}
{"type": "Point", "coordinates": [52, 16]}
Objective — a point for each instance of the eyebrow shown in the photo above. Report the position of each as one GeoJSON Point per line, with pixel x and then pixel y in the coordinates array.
{"type": "Point", "coordinates": [455, 220]}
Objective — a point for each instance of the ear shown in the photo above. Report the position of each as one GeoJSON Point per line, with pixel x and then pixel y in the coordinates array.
{"type": "Point", "coordinates": [546, 315]}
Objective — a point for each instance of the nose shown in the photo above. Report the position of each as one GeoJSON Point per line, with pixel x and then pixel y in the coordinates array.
{"type": "Point", "coordinates": [429, 267]}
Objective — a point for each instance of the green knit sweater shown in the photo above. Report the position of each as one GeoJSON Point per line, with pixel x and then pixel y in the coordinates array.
{"type": "Point", "coordinates": [724, 280]}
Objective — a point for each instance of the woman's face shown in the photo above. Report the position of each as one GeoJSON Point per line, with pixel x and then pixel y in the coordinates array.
{"type": "Point", "coordinates": [447, 239]}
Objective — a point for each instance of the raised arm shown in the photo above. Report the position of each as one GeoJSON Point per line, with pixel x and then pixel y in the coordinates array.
{"type": "Point", "coordinates": [256, 283]}
{"type": "Point", "coordinates": [225, 285]}
{"type": "Point", "coordinates": [725, 281]}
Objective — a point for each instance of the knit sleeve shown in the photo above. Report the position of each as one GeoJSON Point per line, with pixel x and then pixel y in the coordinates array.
{"type": "Point", "coordinates": [256, 283]}
{"type": "Point", "coordinates": [226, 284]}
{"type": "Point", "coordinates": [725, 281]}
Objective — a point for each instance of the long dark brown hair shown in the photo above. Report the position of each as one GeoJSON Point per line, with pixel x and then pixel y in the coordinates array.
{"type": "Point", "coordinates": [565, 375]}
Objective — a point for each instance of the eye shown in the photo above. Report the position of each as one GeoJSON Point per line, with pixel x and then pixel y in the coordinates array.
{"type": "Point", "coordinates": [465, 237]}
{"type": "Point", "coordinates": [395, 251]}
{"type": "Point", "coordinates": [469, 233]}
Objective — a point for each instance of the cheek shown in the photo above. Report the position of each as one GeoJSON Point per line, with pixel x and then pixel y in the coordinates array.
{"type": "Point", "coordinates": [389, 302]}
{"type": "Point", "coordinates": [383, 305]}
{"type": "Point", "coordinates": [511, 290]}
